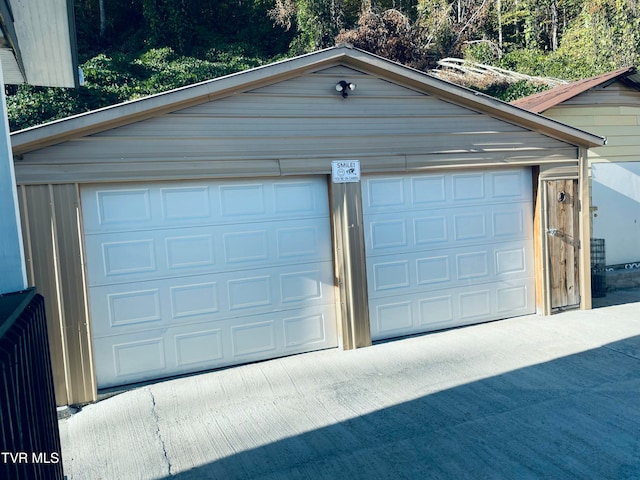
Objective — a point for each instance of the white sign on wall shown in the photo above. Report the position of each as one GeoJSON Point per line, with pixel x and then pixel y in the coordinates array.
{"type": "Point", "coordinates": [345, 171]}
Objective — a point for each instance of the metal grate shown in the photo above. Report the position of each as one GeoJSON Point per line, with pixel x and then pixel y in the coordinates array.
{"type": "Point", "coordinates": [28, 416]}
{"type": "Point", "coordinates": [598, 273]}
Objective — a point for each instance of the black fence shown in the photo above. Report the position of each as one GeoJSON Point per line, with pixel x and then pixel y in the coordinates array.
{"type": "Point", "coordinates": [29, 435]}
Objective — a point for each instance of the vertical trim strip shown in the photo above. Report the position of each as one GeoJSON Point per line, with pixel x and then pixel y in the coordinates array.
{"type": "Point", "coordinates": [350, 266]}
{"type": "Point", "coordinates": [546, 270]}
{"type": "Point", "coordinates": [26, 233]}
{"type": "Point", "coordinates": [58, 289]}
{"type": "Point", "coordinates": [584, 216]}
{"type": "Point", "coordinates": [88, 365]}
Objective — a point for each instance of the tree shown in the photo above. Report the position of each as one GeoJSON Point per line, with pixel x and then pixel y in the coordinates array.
{"type": "Point", "coordinates": [317, 22]}
{"type": "Point", "coordinates": [389, 34]}
{"type": "Point", "coordinates": [605, 36]}
{"type": "Point", "coordinates": [447, 25]}
{"type": "Point", "coordinates": [104, 25]}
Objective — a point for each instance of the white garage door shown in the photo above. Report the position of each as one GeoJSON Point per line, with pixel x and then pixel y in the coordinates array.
{"type": "Point", "coordinates": [195, 275]}
{"type": "Point", "coordinates": [448, 249]}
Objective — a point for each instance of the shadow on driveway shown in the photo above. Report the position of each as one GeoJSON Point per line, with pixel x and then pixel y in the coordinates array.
{"type": "Point", "coordinates": [576, 417]}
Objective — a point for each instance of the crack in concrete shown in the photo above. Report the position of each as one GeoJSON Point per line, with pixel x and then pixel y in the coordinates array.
{"type": "Point", "coordinates": [621, 352]}
{"type": "Point", "coordinates": [156, 419]}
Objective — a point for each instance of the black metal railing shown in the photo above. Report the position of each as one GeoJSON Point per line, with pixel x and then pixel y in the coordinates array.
{"type": "Point", "coordinates": [598, 272]}
{"type": "Point", "coordinates": [29, 435]}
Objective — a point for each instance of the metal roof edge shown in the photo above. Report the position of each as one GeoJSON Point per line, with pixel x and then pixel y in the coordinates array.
{"type": "Point", "coordinates": [490, 105]}
{"type": "Point", "coordinates": [542, 101]}
{"type": "Point", "coordinates": [120, 114]}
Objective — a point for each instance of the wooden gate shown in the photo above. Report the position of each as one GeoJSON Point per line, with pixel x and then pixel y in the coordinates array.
{"type": "Point", "coordinates": [563, 245]}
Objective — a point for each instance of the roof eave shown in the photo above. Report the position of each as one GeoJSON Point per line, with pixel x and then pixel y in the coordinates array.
{"type": "Point", "coordinates": [95, 121]}
{"type": "Point", "coordinates": [543, 101]}
{"type": "Point", "coordinates": [485, 103]}
{"type": "Point", "coordinates": [547, 126]}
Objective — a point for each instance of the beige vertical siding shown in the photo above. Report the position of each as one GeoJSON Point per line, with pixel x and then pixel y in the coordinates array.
{"type": "Point", "coordinates": [350, 264]}
{"type": "Point", "coordinates": [51, 228]}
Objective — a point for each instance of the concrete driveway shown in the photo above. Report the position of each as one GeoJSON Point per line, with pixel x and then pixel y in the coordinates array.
{"type": "Point", "coordinates": [528, 398]}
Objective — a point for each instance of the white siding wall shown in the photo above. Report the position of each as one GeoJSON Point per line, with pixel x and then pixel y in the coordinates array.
{"type": "Point", "coordinates": [613, 112]}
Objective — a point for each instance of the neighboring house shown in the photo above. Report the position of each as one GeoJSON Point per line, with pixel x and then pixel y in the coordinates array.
{"type": "Point", "coordinates": [37, 46]}
{"type": "Point", "coordinates": [201, 228]}
{"type": "Point", "coordinates": [608, 105]}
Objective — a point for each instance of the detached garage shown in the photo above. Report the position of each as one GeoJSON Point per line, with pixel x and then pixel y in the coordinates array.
{"type": "Point", "coordinates": [203, 227]}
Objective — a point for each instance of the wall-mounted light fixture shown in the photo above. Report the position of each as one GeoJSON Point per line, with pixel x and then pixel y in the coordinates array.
{"type": "Point", "coordinates": [345, 87]}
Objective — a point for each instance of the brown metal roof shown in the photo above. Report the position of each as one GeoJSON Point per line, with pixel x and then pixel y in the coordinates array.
{"type": "Point", "coordinates": [542, 101]}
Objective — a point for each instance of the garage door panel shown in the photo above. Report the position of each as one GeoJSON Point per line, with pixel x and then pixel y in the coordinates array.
{"type": "Point", "coordinates": [185, 276]}
{"type": "Point", "coordinates": [154, 254]}
{"type": "Point", "coordinates": [444, 268]}
{"type": "Point", "coordinates": [450, 307]}
{"type": "Point", "coordinates": [125, 308]}
{"type": "Point", "coordinates": [180, 349]}
{"type": "Point", "coordinates": [130, 206]}
{"type": "Point", "coordinates": [384, 194]}
{"type": "Point", "coordinates": [446, 228]}
{"type": "Point", "coordinates": [151, 206]}
{"type": "Point", "coordinates": [448, 249]}
{"type": "Point", "coordinates": [199, 347]}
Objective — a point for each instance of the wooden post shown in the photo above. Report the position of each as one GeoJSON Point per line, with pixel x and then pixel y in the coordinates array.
{"type": "Point", "coordinates": [546, 275]}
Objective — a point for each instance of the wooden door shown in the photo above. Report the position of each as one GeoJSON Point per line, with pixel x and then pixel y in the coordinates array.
{"type": "Point", "coordinates": [563, 244]}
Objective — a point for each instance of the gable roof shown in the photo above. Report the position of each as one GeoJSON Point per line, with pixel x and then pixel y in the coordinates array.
{"type": "Point", "coordinates": [38, 43]}
{"type": "Point", "coordinates": [543, 101]}
{"type": "Point", "coordinates": [136, 110]}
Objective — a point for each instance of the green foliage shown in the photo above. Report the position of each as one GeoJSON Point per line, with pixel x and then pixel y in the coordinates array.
{"type": "Point", "coordinates": [436, 25]}
{"type": "Point", "coordinates": [167, 70]}
{"type": "Point", "coordinates": [110, 80]}
{"type": "Point", "coordinates": [448, 25]}
{"type": "Point", "coordinates": [170, 23]}
{"type": "Point", "coordinates": [527, 61]}
{"type": "Point", "coordinates": [189, 27]}
{"type": "Point", "coordinates": [122, 24]}
{"type": "Point", "coordinates": [481, 52]}
{"type": "Point", "coordinates": [133, 48]}
{"type": "Point", "coordinates": [509, 92]}
{"type": "Point", "coordinates": [548, 64]}
{"type": "Point", "coordinates": [31, 106]}
{"type": "Point", "coordinates": [605, 36]}
{"type": "Point", "coordinates": [317, 22]}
